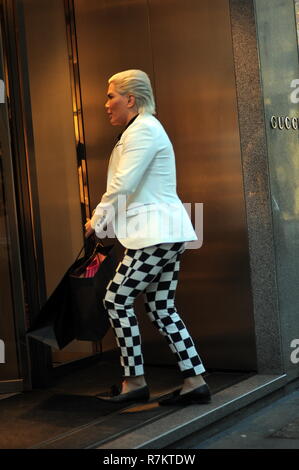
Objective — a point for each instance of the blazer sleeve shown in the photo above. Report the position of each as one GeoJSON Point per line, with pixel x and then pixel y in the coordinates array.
{"type": "Point", "coordinates": [139, 149]}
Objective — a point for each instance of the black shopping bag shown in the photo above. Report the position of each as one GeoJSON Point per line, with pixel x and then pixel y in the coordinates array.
{"type": "Point", "coordinates": [75, 309]}
{"type": "Point", "coordinates": [90, 316]}
{"type": "Point", "coordinates": [54, 324]}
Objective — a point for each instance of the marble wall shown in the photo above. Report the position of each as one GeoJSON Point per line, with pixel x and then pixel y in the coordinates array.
{"type": "Point", "coordinates": [266, 65]}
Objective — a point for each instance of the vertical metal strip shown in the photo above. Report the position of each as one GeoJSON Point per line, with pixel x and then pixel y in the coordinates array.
{"type": "Point", "coordinates": [296, 6]}
{"type": "Point", "coordinates": [77, 108]}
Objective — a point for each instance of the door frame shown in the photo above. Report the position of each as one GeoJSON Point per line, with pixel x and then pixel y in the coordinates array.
{"type": "Point", "coordinates": [28, 277]}
{"type": "Point", "coordinates": [35, 358]}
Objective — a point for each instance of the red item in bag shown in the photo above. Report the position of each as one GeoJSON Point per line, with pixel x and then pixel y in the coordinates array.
{"type": "Point", "coordinates": [93, 267]}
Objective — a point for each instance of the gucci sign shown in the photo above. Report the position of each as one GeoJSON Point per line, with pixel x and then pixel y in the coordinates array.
{"type": "Point", "coordinates": [284, 122]}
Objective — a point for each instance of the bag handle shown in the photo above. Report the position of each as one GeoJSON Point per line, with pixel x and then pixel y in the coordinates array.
{"type": "Point", "coordinates": [96, 242]}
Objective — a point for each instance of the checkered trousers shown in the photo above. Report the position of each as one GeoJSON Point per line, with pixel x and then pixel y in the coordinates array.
{"type": "Point", "coordinates": [152, 271]}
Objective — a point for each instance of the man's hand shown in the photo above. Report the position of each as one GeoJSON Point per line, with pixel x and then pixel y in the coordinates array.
{"type": "Point", "coordinates": [88, 229]}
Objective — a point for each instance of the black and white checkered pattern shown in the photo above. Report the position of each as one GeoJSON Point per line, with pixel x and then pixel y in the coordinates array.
{"type": "Point", "coordinates": [154, 271]}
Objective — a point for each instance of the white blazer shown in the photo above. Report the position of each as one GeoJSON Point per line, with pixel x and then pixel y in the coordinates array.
{"type": "Point", "coordinates": [141, 198]}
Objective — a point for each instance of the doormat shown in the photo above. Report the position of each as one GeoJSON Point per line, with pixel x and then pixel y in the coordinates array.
{"type": "Point", "coordinates": [69, 416]}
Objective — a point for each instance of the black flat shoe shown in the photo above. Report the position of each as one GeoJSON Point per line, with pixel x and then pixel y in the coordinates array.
{"type": "Point", "coordinates": [141, 394]}
{"type": "Point", "coordinates": [197, 396]}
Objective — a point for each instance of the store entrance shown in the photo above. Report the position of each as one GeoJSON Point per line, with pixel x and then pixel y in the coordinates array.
{"type": "Point", "coordinates": [186, 48]}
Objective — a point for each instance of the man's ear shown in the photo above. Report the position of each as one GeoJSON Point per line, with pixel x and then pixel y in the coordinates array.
{"type": "Point", "coordinates": [131, 101]}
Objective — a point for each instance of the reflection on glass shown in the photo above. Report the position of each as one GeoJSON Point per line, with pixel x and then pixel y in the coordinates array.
{"type": "Point", "coordinates": [77, 112]}
{"type": "Point", "coordinates": [9, 368]}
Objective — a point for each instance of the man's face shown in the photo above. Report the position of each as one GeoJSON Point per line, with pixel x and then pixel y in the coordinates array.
{"type": "Point", "coordinates": [117, 106]}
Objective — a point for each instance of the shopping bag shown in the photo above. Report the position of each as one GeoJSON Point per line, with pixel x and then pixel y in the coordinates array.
{"type": "Point", "coordinates": [88, 289]}
{"type": "Point", "coordinates": [75, 309]}
{"type": "Point", "coordinates": [54, 324]}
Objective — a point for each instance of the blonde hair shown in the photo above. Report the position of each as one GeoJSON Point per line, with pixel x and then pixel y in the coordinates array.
{"type": "Point", "coordinates": [136, 83]}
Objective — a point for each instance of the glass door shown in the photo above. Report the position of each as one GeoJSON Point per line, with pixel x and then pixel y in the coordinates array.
{"type": "Point", "coordinates": [12, 368]}
{"type": "Point", "coordinates": [8, 349]}
{"type": "Point", "coordinates": [61, 197]}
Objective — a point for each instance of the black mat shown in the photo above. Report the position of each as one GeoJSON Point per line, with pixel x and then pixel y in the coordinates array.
{"type": "Point", "coordinates": [68, 415]}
